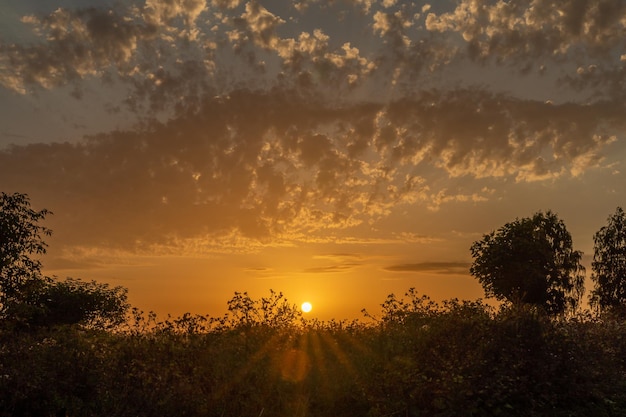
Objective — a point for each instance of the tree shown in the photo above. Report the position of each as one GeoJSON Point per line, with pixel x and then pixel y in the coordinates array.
{"type": "Point", "coordinates": [74, 301]}
{"type": "Point", "coordinates": [29, 299]}
{"type": "Point", "coordinates": [20, 237]}
{"type": "Point", "coordinates": [531, 261]}
{"type": "Point", "coordinates": [609, 263]}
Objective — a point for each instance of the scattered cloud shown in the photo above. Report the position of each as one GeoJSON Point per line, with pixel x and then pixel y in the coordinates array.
{"type": "Point", "coordinates": [301, 166]}
{"type": "Point", "coordinates": [276, 128]}
{"type": "Point", "coordinates": [526, 30]}
{"type": "Point", "coordinates": [169, 51]}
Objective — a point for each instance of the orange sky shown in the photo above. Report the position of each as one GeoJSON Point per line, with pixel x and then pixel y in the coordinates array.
{"type": "Point", "coordinates": [334, 151]}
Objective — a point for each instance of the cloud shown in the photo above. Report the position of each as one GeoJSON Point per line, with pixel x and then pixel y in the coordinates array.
{"type": "Point", "coordinates": [171, 53]}
{"type": "Point", "coordinates": [605, 79]}
{"type": "Point", "coordinates": [452, 268]}
{"type": "Point", "coordinates": [331, 268]}
{"type": "Point", "coordinates": [160, 12]}
{"type": "Point", "coordinates": [78, 44]}
{"type": "Point", "coordinates": [308, 56]}
{"type": "Point", "coordinates": [256, 25]}
{"type": "Point", "coordinates": [339, 256]}
{"type": "Point", "coordinates": [276, 128]}
{"type": "Point", "coordinates": [526, 30]}
{"type": "Point", "coordinates": [442, 197]}
{"type": "Point", "coordinates": [472, 132]}
{"type": "Point", "coordinates": [268, 166]}
{"type": "Point", "coordinates": [417, 238]}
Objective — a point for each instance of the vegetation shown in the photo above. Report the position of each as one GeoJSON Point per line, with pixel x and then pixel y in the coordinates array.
{"type": "Point", "coordinates": [73, 348]}
{"type": "Point", "coordinates": [21, 237]}
{"type": "Point", "coordinates": [609, 264]}
{"type": "Point", "coordinates": [419, 358]}
{"type": "Point", "coordinates": [531, 261]}
{"type": "Point", "coordinates": [27, 298]}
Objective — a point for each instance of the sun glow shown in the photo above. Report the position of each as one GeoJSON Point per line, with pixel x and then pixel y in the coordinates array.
{"type": "Point", "coordinates": [306, 307]}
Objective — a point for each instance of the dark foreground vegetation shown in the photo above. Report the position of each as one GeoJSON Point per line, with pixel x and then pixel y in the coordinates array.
{"type": "Point", "coordinates": [75, 348]}
{"type": "Point", "coordinates": [417, 358]}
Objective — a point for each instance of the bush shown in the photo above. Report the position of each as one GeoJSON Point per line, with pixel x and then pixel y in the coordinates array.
{"type": "Point", "coordinates": [419, 359]}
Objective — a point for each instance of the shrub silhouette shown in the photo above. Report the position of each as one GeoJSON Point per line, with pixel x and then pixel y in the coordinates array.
{"type": "Point", "coordinates": [417, 358]}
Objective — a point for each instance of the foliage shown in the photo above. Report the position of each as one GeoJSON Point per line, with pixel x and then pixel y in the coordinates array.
{"type": "Point", "coordinates": [50, 302]}
{"type": "Point", "coordinates": [88, 303]}
{"type": "Point", "coordinates": [27, 298]}
{"type": "Point", "coordinates": [274, 311]}
{"type": "Point", "coordinates": [420, 358]}
{"type": "Point", "coordinates": [609, 264]}
{"type": "Point", "coordinates": [399, 311]}
{"type": "Point", "coordinates": [531, 261]}
{"type": "Point", "coordinates": [21, 237]}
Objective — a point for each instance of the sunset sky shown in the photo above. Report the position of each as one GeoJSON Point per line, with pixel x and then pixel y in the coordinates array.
{"type": "Point", "coordinates": [336, 151]}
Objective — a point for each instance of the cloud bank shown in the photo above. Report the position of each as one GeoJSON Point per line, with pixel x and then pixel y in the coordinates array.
{"type": "Point", "coordinates": [275, 125]}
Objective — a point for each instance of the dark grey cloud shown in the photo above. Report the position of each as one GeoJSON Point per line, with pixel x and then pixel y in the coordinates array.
{"type": "Point", "coordinates": [331, 268]}
{"type": "Point", "coordinates": [453, 268]}
{"type": "Point", "coordinates": [339, 256]}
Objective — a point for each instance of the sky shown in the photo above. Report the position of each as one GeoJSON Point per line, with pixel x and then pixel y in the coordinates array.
{"type": "Point", "coordinates": [335, 151]}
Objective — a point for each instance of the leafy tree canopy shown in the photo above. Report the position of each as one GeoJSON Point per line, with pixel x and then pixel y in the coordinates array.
{"type": "Point", "coordinates": [73, 301]}
{"type": "Point", "coordinates": [609, 263]}
{"type": "Point", "coordinates": [532, 261]}
{"type": "Point", "coordinates": [21, 237]}
{"type": "Point", "coordinates": [29, 299]}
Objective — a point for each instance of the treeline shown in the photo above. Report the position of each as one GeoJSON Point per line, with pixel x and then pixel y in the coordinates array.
{"type": "Point", "coordinates": [76, 348]}
{"type": "Point", "coordinates": [417, 358]}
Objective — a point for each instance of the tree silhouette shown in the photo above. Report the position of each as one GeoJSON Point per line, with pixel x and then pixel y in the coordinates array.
{"type": "Point", "coordinates": [609, 263]}
{"type": "Point", "coordinates": [29, 299]}
{"type": "Point", "coordinates": [531, 261]}
{"type": "Point", "coordinates": [21, 237]}
{"type": "Point", "coordinates": [74, 301]}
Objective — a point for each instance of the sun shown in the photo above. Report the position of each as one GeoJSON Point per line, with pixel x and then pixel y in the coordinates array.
{"type": "Point", "coordinates": [306, 307]}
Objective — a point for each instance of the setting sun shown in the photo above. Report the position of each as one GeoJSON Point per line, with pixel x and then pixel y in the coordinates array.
{"type": "Point", "coordinates": [306, 307]}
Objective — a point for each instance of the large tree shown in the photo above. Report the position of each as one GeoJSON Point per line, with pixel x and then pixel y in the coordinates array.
{"type": "Point", "coordinates": [609, 263]}
{"type": "Point", "coordinates": [532, 261]}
